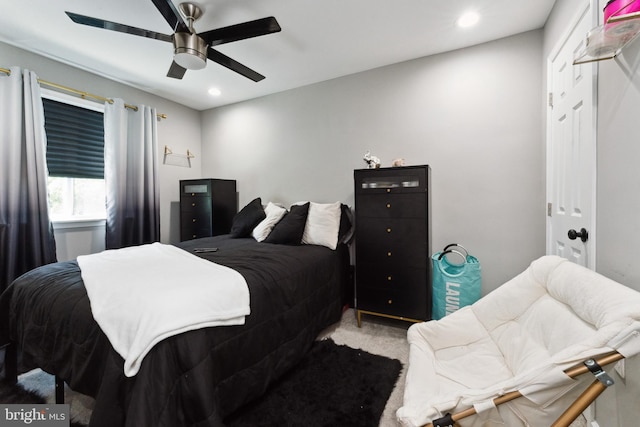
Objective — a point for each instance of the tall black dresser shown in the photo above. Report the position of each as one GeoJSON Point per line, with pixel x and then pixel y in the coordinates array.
{"type": "Point", "coordinates": [393, 242]}
{"type": "Point", "coordinates": [207, 207]}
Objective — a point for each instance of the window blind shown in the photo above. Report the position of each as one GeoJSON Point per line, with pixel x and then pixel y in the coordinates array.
{"type": "Point", "coordinates": [75, 140]}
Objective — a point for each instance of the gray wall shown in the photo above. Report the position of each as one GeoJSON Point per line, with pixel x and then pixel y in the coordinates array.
{"type": "Point", "coordinates": [473, 115]}
{"type": "Point", "coordinates": [618, 204]}
{"type": "Point", "coordinates": [618, 172]}
{"type": "Point", "coordinates": [618, 194]}
{"type": "Point", "coordinates": [180, 131]}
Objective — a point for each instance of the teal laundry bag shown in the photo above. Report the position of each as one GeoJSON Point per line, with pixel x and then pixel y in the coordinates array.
{"type": "Point", "coordinates": [457, 280]}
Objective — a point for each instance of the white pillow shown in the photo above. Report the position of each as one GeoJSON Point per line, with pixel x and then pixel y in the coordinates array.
{"type": "Point", "coordinates": [274, 214]}
{"type": "Point", "coordinates": [323, 225]}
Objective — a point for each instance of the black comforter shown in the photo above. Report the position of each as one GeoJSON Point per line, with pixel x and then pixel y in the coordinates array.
{"type": "Point", "coordinates": [195, 378]}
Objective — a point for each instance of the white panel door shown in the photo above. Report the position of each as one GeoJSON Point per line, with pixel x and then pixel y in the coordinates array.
{"type": "Point", "coordinates": [571, 150]}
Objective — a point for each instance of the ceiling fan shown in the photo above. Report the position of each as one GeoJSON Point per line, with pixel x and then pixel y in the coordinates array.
{"type": "Point", "coordinates": [192, 49]}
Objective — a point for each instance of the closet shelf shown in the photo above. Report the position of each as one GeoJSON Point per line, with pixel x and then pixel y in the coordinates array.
{"type": "Point", "coordinates": [607, 41]}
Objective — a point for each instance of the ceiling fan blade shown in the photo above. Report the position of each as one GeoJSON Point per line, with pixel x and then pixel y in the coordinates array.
{"type": "Point", "coordinates": [246, 30]}
{"type": "Point", "coordinates": [176, 71]}
{"type": "Point", "coordinates": [233, 65]}
{"type": "Point", "coordinates": [171, 15]}
{"type": "Point", "coordinates": [114, 26]}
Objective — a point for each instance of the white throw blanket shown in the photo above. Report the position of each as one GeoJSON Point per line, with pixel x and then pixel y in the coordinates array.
{"type": "Point", "coordinates": [141, 295]}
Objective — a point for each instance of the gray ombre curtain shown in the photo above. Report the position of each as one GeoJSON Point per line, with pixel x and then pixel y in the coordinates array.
{"type": "Point", "coordinates": [130, 172]}
{"type": "Point", "coordinates": [26, 233]}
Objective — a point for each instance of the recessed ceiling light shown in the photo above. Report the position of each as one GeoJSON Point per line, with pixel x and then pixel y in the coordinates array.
{"type": "Point", "coordinates": [468, 19]}
{"type": "Point", "coordinates": [214, 91]}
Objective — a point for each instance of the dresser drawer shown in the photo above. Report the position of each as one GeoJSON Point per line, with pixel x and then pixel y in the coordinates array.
{"type": "Point", "coordinates": [391, 276]}
{"type": "Point", "coordinates": [394, 302]}
{"type": "Point", "coordinates": [407, 231]}
{"type": "Point", "coordinates": [195, 231]}
{"type": "Point", "coordinates": [195, 219]}
{"type": "Point", "coordinates": [391, 241]}
{"type": "Point", "coordinates": [196, 188]}
{"type": "Point", "coordinates": [196, 204]}
{"type": "Point", "coordinates": [408, 179]}
{"type": "Point", "coordinates": [407, 205]}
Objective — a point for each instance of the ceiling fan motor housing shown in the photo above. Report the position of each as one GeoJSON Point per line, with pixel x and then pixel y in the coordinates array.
{"type": "Point", "coordinates": [190, 51]}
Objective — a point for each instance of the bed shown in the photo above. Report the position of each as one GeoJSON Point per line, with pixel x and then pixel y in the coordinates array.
{"type": "Point", "coordinates": [196, 378]}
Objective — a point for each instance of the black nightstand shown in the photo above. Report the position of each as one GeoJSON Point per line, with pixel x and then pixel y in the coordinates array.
{"type": "Point", "coordinates": [393, 242]}
{"type": "Point", "coordinates": [207, 207]}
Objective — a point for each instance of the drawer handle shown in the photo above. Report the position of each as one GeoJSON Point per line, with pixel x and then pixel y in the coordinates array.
{"type": "Point", "coordinates": [388, 205]}
{"type": "Point", "coordinates": [388, 190]}
{"type": "Point", "coordinates": [389, 253]}
{"type": "Point", "coordinates": [388, 278]}
{"type": "Point", "coordinates": [193, 220]}
{"type": "Point", "coordinates": [193, 204]}
{"type": "Point", "coordinates": [390, 302]}
{"type": "Point", "coordinates": [388, 230]}
{"type": "Point", "coordinates": [193, 194]}
{"type": "Point", "coordinates": [193, 235]}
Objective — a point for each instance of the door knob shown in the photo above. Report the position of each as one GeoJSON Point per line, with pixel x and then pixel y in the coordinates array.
{"type": "Point", "coordinates": [583, 234]}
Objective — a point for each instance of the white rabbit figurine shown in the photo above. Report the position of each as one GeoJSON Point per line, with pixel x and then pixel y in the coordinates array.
{"type": "Point", "coordinates": [372, 161]}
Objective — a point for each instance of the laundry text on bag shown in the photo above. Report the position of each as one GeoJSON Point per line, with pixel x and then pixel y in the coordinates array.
{"type": "Point", "coordinates": [453, 297]}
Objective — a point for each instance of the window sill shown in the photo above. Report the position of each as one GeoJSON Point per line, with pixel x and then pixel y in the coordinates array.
{"type": "Point", "coordinates": [59, 224]}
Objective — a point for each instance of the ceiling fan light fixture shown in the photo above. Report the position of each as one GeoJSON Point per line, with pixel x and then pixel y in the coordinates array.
{"type": "Point", "coordinates": [190, 61]}
{"type": "Point", "coordinates": [189, 51]}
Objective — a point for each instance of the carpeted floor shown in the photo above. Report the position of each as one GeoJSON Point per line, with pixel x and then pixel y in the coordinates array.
{"type": "Point", "coordinates": [377, 336]}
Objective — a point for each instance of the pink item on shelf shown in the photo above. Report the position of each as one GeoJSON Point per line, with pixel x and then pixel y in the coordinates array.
{"type": "Point", "coordinates": [620, 7]}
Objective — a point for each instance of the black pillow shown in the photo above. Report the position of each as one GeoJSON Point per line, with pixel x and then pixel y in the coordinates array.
{"type": "Point", "coordinates": [289, 230]}
{"type": "Point", "coordinates": [246, 220]}
{"type": "Point", "coordinates": [346, 224]}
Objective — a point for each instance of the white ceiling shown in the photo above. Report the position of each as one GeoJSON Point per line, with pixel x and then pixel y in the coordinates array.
{"type": "Point", "coordinates": [320, 40]}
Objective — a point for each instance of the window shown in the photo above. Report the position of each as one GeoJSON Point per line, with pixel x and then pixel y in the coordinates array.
{"type": "Point", "coordinates": [75, 157]}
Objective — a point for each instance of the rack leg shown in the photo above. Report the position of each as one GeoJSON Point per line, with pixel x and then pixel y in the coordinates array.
{"type": "Point", "coordinates": [582, 402]}
{"type": "Point", "coordinates": [11, 363]}
{"type": "Point", "coordinates": [59, 390]}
